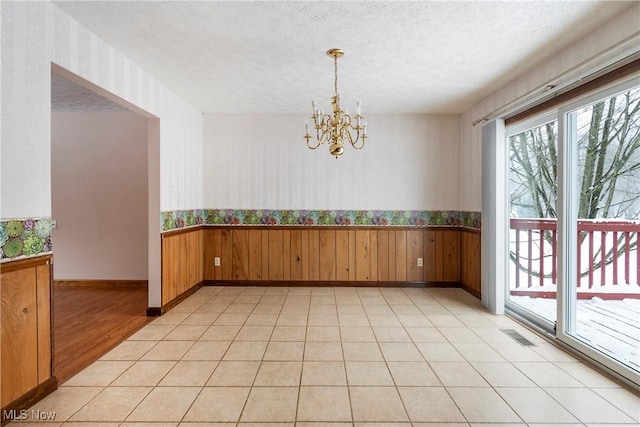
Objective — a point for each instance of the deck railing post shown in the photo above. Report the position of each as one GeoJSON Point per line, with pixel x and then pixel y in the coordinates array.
{"type": "Point", "coordinates": [600, 252]}
{"type": "Point", "coordinates": [615, 258]}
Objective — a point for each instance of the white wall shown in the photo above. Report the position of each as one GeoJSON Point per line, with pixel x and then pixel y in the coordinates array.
{"type": "Point", "coordinates": [262, 162]}
{"type": "Point", "coordinates": [613, 40]}
{"type": "Point", "coordinates": [26, 105]}
{"type": "Point", "coordinates": [99, 195]}
{"type": "Point", "coordinates": [37, 34]}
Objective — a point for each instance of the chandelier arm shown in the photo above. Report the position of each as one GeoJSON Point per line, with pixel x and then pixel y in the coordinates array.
{"type": "Point", "coordinates": [355, 143]}
{"type": "Point", "coordinates": [361, 139]}
{"type": "Point", "coordinates": [358, 141]}
{"type": "Point", "coordinates": [313, 147]}
{"type": "Point", "coordinates": [346, 134]}
{"type": "Point", "coordinates": [324, 126]}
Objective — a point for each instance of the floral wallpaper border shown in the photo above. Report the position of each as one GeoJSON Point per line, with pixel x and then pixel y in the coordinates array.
{"type": "Point", "coordinates": [22, 238]}
{"type": "Point", "coordinates": [173, 220]}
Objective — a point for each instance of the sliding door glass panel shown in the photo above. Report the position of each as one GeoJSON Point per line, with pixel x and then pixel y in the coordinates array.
{"type": "Point", "coordinates": [532, 233]}
{"type": "Point", "coordinates": [603, 298]}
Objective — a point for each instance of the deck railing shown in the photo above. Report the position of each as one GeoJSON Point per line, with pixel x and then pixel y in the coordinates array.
{"type": "Point", "coordinates": [608, 253]}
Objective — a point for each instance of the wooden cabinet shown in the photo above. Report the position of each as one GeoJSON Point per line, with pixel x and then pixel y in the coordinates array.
{"type": "Point", "coordinates": [26, 328]}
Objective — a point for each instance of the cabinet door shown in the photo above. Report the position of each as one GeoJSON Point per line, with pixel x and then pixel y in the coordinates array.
{"type": "Point", "coordinates": [19, 334]}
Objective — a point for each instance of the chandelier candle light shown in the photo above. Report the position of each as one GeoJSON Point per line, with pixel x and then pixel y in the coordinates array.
{"type": "Point", "coordinates": [337, 128]}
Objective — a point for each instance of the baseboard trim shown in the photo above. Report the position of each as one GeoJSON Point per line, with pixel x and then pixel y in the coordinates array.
{"type": "Point", "coordinates": [476, 293]}
{"type": "Point", "coordinates": [177, 300]}
{"type": "Point", "coordinates": [28, 399]}
{"type": "Point", "coordinates": [321, 283]}
{"type": "Point", "coordinates": [154, 311]}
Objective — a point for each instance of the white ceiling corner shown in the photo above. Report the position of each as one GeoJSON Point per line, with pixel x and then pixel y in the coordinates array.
{"type": "Point", "coordinates": [438, 57]}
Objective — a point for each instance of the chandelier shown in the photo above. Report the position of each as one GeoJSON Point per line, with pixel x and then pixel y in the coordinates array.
{"type": "Point", "coordinates": [337, 128]}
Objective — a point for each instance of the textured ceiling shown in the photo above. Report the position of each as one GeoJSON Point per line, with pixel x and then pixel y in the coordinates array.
{"type": "Point", "coordinates": [400, 57]}
{"type": "Point", "coordinates": [67, 96]}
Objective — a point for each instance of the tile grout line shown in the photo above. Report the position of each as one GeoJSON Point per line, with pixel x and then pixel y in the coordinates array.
{"type": "Point", "coordinates": [217, 363]}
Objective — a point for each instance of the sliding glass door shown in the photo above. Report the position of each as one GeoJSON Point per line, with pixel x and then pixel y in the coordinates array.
{"type": "Point", "coordinates": [533, 148]}
{"type": "Point", "coordinates": [601, 299]}
{"type": "Point", "coordinates": [574, 263]}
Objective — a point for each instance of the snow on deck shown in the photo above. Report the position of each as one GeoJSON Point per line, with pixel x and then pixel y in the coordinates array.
{"type": "Point", "coordinates": [610, 326]}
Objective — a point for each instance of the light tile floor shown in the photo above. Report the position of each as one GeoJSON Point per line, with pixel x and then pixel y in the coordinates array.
{"type": "Point", "coordinates": [322, 357]}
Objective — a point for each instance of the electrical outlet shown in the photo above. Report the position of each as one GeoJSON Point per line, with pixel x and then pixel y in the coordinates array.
{"type": "Point", "coordinates": [420, 262]}
{"type": "Point", "coordinates": [216, 261]}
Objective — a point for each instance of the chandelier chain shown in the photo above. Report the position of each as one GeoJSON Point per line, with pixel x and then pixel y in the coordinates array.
{"type": "Point", "coordinates": [335, 75]}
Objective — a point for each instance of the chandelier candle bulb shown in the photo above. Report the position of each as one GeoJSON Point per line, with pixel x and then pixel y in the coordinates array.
{"type": "Point", "coordinates": [336, 128]}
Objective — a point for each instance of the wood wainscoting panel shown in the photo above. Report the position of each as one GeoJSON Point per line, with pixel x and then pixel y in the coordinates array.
{"type": "Point", "coordinates": [335, 254]}
{"type": "Point", "coordinates": [470, 261]}
{"type": "Point", "coordinates": [305, 254]}
{"type": "Point", "coordinates": [43, 298]}
{"type": "Point", "coordinates": [296, 254]}
{"type": "Point", "coordinates": [265, 254]}
{"type": "Point", "coordinates": [168, 274]}
{"type": "Point", "coordinates": [415, 250]}
{"type": "Point", "coordinates": [342, 255]}
{"type": "Point", "coordinates": [182, 262]}
{"type": "Point", "coordinates": [286, 254]}
{"type": "Point", "coordinates": [314, 254]}
{"type": "Point", "coordinates": [352, 255]}
{"type": "Point", "coordinates": [209, 241]}
{"type": "Point", "coordinates": [450, 256]}
{"type": "Point", "coordinates": [226, 252]}
{"type": "Point", "coordinates": [196, 261]}
{"type": "Point", "coordinates": [327, 247]}
{"type": "Point", "coordinates": [276, 254]}
{"type": "Point", "coordinates": [382, 257]}
{"type": "Point", "coordinates": [442, 256]}
{"type": "Point", "coordinates": [401, 255]}
{"type": "Point", "coordinates": [254, 242]}
{"type": "Point", "coordinates": [429, 243]}
{"type": "Point", "coordinates": [392, 256]}
{"type": "Point", "coordinates": [373, 255]}
{"type": "Point", "coordinates": [363, 255]}
{"type": "Point", "coordinates": [240, 254]}
{"type": "Point", "coordinates": [439, 256]}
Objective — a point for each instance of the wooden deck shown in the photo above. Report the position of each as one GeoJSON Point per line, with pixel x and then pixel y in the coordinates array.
{"type": "Point", "coordinates": [609, 326]}
{"type": "Point", "coordinates": [612, 327]}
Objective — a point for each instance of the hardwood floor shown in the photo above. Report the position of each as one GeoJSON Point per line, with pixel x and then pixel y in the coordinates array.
{"type": "Point", "coordinates": [91, 318]}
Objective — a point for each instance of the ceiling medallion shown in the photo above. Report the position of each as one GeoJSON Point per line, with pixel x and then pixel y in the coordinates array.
{"type": "Point", "coordinates": [337, 128]}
